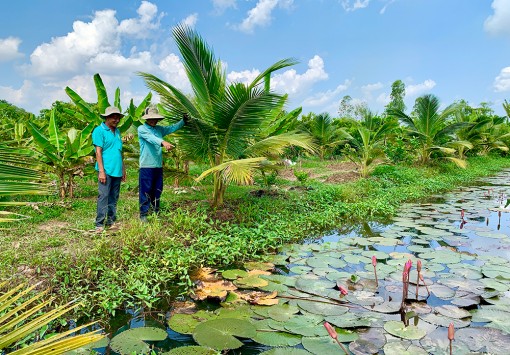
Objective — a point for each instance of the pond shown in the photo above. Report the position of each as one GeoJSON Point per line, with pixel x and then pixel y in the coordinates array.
{"type": "Point", "coordinates": [365, 283]}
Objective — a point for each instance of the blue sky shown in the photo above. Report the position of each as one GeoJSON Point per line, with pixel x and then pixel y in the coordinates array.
{"type": "Point", "coordinates": [454, 49]}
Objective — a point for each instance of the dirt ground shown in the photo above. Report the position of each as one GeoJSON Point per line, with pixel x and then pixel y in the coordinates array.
{"type": "Point", "coordinates": [336, 173]}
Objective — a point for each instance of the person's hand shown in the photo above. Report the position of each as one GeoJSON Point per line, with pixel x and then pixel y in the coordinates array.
{"type": "Point", "coordinates": [185, 118]}
{"type": "Point", "coordinates": [102, 177]}
{"type": "Point", "coordinates": [167, 145]}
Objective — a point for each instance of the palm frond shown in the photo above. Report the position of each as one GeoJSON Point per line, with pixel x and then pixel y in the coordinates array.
{"type": "Point", "coordinates": [275, 145]}
{"type": "Point", "coordinates": [237, 171]}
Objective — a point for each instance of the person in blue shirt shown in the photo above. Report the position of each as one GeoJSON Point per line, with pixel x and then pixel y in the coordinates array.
{"type": "Point", "coordinates": [152, 143]}
{"type": "Point", "coordinates": [110, 167]}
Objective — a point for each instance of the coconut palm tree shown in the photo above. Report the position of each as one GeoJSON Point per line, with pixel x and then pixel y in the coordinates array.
{"type": "Point", "coordinates": [433, 129]}
{"type": "Point", "coordinates": [229, 120]}
{"type": "Point", "coordinates": [366, 144]}
{"type": "Point", "coordinates": [325, 133]}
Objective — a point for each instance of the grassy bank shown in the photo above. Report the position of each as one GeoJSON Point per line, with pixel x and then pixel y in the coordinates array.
{"type": "Point", "coordinates": [137, 264]}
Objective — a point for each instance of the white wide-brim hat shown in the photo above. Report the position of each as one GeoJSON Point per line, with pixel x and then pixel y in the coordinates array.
{"type": "Point", "coordinates": [152, 113]}
{"type": "Point", "coordinates": [112, 110]}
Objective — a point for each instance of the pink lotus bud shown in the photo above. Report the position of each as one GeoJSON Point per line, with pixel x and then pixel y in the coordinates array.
{"type": "Point", "coordinates": [374, 260]}
{"type": "Point", "coordinates": [451, 332]}
{"type": "Point", "coordinates": [331, 331]}
{"type": "Point", "coordinates": [343, 291]}
{"type": "Point", "coordinates": [418, 265]}
{"type": "Point", "coordinates": [408, 265]}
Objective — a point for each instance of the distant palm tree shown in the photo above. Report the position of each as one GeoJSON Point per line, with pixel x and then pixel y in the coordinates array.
{"type": "Point", "coordinates": [432, 129]}
{"type": "Point", "coordinates": [366, 143]}
{"type": "Point", "coordinates": [325, 133]}
{"type": "Point", "coordinates": [228, 129]}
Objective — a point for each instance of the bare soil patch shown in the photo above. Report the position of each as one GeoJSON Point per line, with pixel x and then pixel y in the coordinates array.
{"type": "Point", "coordinates": [338, 172]}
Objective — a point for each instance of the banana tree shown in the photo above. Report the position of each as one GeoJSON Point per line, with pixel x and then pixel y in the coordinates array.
{"type": "Point", "coordinates": [91, 112]}
{"type": "Point", "coordinates": [227, 118]}
{"type": "Point", "coordinates": [433, 129]}
{"type": "Point", "coordinates": [65, 153]}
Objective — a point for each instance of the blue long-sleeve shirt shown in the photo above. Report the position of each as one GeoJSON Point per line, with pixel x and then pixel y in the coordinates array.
{"type": "Point", "coordinates": [151, 154]}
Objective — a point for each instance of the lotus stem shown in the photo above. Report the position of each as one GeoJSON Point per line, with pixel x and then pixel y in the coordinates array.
{"type": "Point", "coordinates": [374, 263]}
{"type": "Point", "coordinates": [332, 333]}
{"type": "Point", "coordinates": [418, 269]}
{"type": "Point", "coordinates": [423, 280]}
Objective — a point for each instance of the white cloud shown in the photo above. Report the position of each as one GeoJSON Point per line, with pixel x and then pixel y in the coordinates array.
{"type": "Point", "coordinates": [90, 44]}
{"type": "Point", "coordinates": [260, 15]}
{"type": "Point", "coordinates": [383, 99]}
{"type": "Point", "coordinates": [174, 73]}
{"type": "Point", "coordinates": [142, 26]}
{"type": "Point", "coordinates": [383, 10]}
{"type": "Point", "coordinates": [191, 20]}
{"type": "Point", "coordinates": [326, 97]}
{"type": "Point", "coordinates": [9, 49]}
{"type": "Point", "coordinates": [418, 89]}
{"type": "Point", "coordinates": [116, 63]}
{"type": "Point", "coordinates": [499, 22]}
{"type": "Point", "coordinates": [221, 5]}
{"type": "Point", "coordinates": [291, 82]}
{"type": "Point", "coordinates": [350, 5]}
{"type": "Point", "coordinates": [17, 96]}
{"type": "Point", "coordinates": [502, 81]}
{"type": "Point", "coordinates": [367, 90]}
{"type": "Point", "coordinates": [245, 76]}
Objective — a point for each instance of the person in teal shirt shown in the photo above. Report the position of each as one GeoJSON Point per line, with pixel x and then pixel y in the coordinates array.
{"type": "Point", "coordinates": [150, 135]}
{"type": "Point", "coordinates": [109, 166]}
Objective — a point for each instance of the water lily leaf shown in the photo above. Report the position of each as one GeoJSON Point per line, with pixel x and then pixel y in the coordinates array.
{"type": "Point", "coordinates": [190, 350]}
{"type": "Point", "coordinates": [498, 318]}
{"type": "Point", "coordinates": [419, 307]}
{"type": "Point", "coordinates": [234, 274]}
{"type": "Point", "coordinates": [313, 284]}
{"type": "Point", "coordinates": [322, 308]}
{"type": "Point", "coordinates": [306, 329]}
{"type": "Point", "coordinates": [495, 285]}
{"type": "Point", "coordinates": [496, 271]}
{"type": "Point", "coordinates": [285, 351]}
{"type": "Point", "coordinates": [400, 348]}
{"type": "Point", "coordinates": [442, 256]}
{"type": "Point", "coordinates": [503, 303]}
{"type": "Point", "coordinates": [386, 307]}
{"type": "Point", "coordinates": [356, 259]}
{"type": "Point", "coordinates": [275, 287]}
{"type": "Point", "coordinates": [467, 273]}
{"type": "Point", "coordinates": [186, 323]}
{"type": "Point", "coordinates": [204, 274]}
{"type": "Point", "coordinates": [452, 311]}
{"type": "Point", "coordinates": [267, 336]}
{"type": "Point", "coordinates": [133, 340]}
{"type": "Point", "coordinates": [257, 265]}
{"type": "Point", "coordinates": [492, 259]}
{"type": "Point", "coordinates": [280, 279]}
{"type": "Point", "coordinates": [398, 329]}
{"type": "Point", "coordinates": [388, 240]}
{"type": "Point", "coordinates": [239, 312]}
{"type": "Point", "coordinates": [339, 275]}
{"type": "Point", "coordinates": [437, 343]}
{"type": "Point", "coordinates": [321, 345]}
{"type": "Point", "coordinates": [364, 298]}
{"type": "Point", "coordinates": [369, 342]}
{"type": "Point", "coordinates": [300, 269]}
{"type": "Point", "coordinates": [492, 235]}
{"type": "Point", "coordinates": [282, 312]}
{"type": "Point", "coordinates": [379, 255]}
{"type": "Point", "coordinates": [252, 281]}
{"type": "Point", "coordinates": [472, 286]}
{"type": "Point", "coordinates": [444, 321]}
{"type": "Point", "coordinates": [465, 299]}
{"type": "Point", "coordinates": [278, 259]}
{"type": "Point", "coordinates": [484, 339]}
{"type": "Point", "coordinates": [351, 320]}
{"type": "Point", "coordinates": [220, 334]}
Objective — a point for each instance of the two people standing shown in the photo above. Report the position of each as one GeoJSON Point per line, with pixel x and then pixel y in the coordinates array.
{"type": "Point", "coordinates": [110, 166]}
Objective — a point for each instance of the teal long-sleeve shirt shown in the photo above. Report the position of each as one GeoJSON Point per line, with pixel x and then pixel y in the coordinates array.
{"type": "Point", "coordinates": [151, 153]}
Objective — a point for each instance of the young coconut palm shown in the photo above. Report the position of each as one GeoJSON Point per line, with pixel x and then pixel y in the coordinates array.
{"type": "Point", "coordinates": [432, 128]}
{"type": "Point", "coordinates": [325, 133]}
{"type": "Point", "coordinates": [229, 120]}
{"type": "Point", "coordinates": [366, 144]}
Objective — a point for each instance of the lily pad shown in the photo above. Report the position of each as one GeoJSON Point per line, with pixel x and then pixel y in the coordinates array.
{"type": "Point", "coordinates": [257, 265]}
{"type": "Point", "coordinates": [437, 343]}
{"type": "Point", "coordinates": [498, 318]}
{"type": "Point", "coordinates": [484, 339]}
{"type": "Point", "coordinates": [285, 351]}
{"type": "Point", "coordinates": [322, 308]}
{"type": "Point", "coordinates": [321, 345]}
{"type": "Point", "coordinates": [369, 342]}
{"type": "Point", "coordinates": [251, 282]}
{"type": "Point", "coordinates": [234, 274]}
{"type": "Point", "coordinates": [191, 350]}
{"type": "Point", "coordinates": [267, 336]}
{"type": "Point", "coordinates": [186, 323]}
{"type": "Point", "coordinates": [398, 329]}
{"type": "Point", "coordinates": [444, 321]}
{"type": "Point", "coordinates": [452, 311]}
{"type": "Point", "coordinates": [282, 312]}
{"type": "Point", "coordinates": [351, 320]}
{"type": "Point", "coordinates": [220, 334]}
{"type": "Point", "coordinates": [134, 340]}
{"type": "Point", "coordinates": [400, 348]}
{"type": "Point", "coordinates": [300, 269]}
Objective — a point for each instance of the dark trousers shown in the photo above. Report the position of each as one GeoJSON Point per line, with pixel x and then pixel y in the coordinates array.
{"type": "Point", "coordinates": [151, 187]}
{"type": "Point", "coordinates": [107, 201]}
